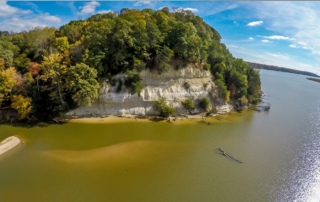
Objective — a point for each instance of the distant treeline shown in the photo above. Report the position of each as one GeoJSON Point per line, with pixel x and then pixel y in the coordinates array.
{"type": "Point", "coordinates": [280, 69]}
{"type": "Point", "coordinates": [313, 79]}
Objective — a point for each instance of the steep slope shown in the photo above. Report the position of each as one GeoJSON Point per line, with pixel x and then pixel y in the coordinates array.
{"type": "Point", "coordinates": [170, 85]}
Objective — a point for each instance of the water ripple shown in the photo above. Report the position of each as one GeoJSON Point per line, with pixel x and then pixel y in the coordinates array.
{"type": "Point", "coordinates": [304, 169]}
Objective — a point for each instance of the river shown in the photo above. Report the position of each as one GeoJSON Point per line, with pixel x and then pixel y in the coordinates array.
{"type": "Point", "coordinates": [140, 161]}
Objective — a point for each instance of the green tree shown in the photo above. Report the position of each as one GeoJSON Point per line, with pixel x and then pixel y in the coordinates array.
{"type": "Point", "coordinates": [22, 105]}
{"type": "Point", "coordinates": [161, 106]}
{"type": "Point", "coordinates": [82, 84]}
{"type": "Point", "coordinates": [254, 86]}
{"type": "Point", "coordinates": [204, 104]}
{"type": "Point", "coordinates": [21, 63]}
{"type": "Point", "coordinates": [134, 82]}
{"type": "Point", "coordinates": [188, 105]}
{"type": "Point", "coordinates": [7, 80]}
{"type": "Point", "coordinates": [222, 90]}
{"type": "Point", "coordinates": [162, 59]}
{"type": "Point", "coordinates": [240, 82]}
{"type": "Point", "coordinates": [54, 73]}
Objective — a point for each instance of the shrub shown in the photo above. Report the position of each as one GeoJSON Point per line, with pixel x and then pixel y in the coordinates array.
{"type": "Point", "coordinates": [212, 111]}
{"type": "Point", "coordinates": [133, 81]}
{"type": "Point", "coordinates": [243, 101]}
{"type": "Point", "coordinates": [188, 104]}
{"type": "Point", "coordinates": [207, 67]}
{"type": "Point", "coordinates": [204, 103]}
{"type": "Point", "coordinates": [161, 106]}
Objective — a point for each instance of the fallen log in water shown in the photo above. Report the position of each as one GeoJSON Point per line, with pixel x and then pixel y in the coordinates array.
{"type": "Point", "coordinates": [228, 155]}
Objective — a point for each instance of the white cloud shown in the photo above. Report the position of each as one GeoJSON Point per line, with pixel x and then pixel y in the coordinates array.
{"type": "Point", "coordinates": [276, 59]}
{"type": "Point", "coordinates": [302, 43]}
{"type": "Point", "coordinates": [51, 18]}
{"type": "Point", "coordinates": [279, 55]}
{"type": "Point", "coordinates": [19, 24]}
{"type": "Point", "coordinates": [293, 46]}
{"type": "Point", "coordinates": [104, 11]}
{"type": "Point", "coordinates": [17, 19]}
{"type": "Point", "coordinates": [191, 9]}
{"type": "Point", "coordinates": [89, 8]}
{"type": "Point", "coordinates": [25, 12]}
{"type": "Point", "coordinates": [188, 9]}
{"type": "Point", "coordinates": [296, 19]}
{"type": "Point", "coordinates": [278, 37]}
{"type": "Point", "coordinates": [265, 41]}
{"type": "Point", "coordinates": [233, 46]}
{"type": "Point", "coordinates": [251, 38]}
{"type": "Point", "coordinates": [255, 23]}
{"type": "Point", "coordinates": [142, 2]}
{"type": "Point", "coordinates": [7, 11]}
{"type": "Point", "coordinates": [218, 8]}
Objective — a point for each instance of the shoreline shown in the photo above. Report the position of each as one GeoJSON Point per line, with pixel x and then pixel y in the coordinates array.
{"type": "Point", "coordinates": [182, 119]}
{"type": "Point", "coordinates": [128, 117]}
{"type": "Point", "coordinates": [314, 79]}
{"type": "Point", "coordinates": [8, 144]}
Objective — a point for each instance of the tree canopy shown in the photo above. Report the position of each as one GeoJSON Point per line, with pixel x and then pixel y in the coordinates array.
{"type": "Point", "coordinates": [47, 71]}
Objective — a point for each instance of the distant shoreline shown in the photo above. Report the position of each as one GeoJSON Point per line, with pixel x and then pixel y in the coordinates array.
{"type": "Point", "coordinates": [280, 69]}
{"type": "Point", "coordinates": [313, 79]}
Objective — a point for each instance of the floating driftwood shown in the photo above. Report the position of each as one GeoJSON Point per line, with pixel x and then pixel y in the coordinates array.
{"type": "Point", "coordinates": [228, 155]}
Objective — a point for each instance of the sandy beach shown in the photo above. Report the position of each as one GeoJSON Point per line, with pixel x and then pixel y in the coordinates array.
{"type": "Point", "coordinates": [131, 118]}
{"type": "Point", "coordinates": [8, 144]}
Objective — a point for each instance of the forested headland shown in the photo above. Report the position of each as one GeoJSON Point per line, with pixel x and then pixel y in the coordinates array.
{"type": "Point", "coordinates": [45, 72]}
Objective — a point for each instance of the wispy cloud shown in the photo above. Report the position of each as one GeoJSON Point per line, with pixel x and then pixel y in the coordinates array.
{"type": "Point", "coordinates": [19, 24]}
{"type": "Point", "coordinates": [250, 38]}
{"type": "Point", "coordinates": [255, 23]}
{"type": "Point", "coordinates": [142, 2]}
{"type": "Point", "coordinates": [8, 11]}
{"type": "Point", "coordinates": [104, 11]}
{"type": "Point", "coordinates": [17, 19]}
{"type": "Point", "coordinates": [221, 7]}
{"type": "Point", "coordinates": [298, 20]}
{"type": "Point", "coordinates": [278, 37]}
{"type": "Point", "coordinates": [50, 18]}
{"type": "Point", "coordinates": [265, 41]}
{"type": "Point", "coordinates": [187, 9]}
{"type": "Point", "coordinates": [293, 46]}
{"type": "Point", "coordinates": [276, 59]}
{"type": "Point", "coordinates": [191, 9]}
{"type": "Point", "coordinates": [88, 8]}
{"type": "Point", "coordinates": [279, 55]}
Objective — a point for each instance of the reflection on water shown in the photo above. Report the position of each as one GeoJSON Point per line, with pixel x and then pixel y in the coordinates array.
{"type": "Point", "coordinates": [160, 162]}
{"type": "Point", "coordinates": [303, 179]}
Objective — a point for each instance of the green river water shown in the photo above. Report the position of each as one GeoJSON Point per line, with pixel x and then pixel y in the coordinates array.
{"type": "Point", "coordinates": [139, 161]}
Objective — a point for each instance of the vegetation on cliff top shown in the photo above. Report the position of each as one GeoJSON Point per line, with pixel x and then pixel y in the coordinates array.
{"type": "Point", "coordinates": [45, 72]}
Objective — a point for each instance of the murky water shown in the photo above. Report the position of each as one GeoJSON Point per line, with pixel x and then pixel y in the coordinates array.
{"type": "Point", "coordinates": [157, 161]}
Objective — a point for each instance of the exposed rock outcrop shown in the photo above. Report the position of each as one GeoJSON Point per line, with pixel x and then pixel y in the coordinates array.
{"type": "Point", "coordinates": [175, 85]}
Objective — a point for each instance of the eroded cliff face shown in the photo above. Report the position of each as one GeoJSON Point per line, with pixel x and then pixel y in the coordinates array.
{"type": "Point", "coordinates": [173, 85]}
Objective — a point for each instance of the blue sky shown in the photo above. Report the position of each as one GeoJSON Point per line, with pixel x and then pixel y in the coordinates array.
{"type": "Point", "coordinates": [285, 33]}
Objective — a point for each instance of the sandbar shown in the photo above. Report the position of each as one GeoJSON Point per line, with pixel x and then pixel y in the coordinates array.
{"type": "Point", "coordinates": [190, 119]}
{"type": "Point", "coordinates": [8, 144]}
